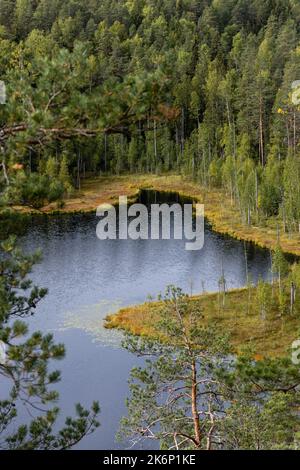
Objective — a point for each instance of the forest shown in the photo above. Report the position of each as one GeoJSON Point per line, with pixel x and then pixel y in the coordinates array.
{"type": "Point", "coordinates": [205, 89]}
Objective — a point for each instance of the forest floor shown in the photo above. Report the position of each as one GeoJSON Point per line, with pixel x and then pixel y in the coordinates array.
{"type": "Point", "coordinates": [272, 336]}
{"type": "Point", "coordinates": [223, 215]}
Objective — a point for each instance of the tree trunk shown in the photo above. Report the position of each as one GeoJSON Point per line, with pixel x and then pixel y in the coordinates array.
{"type": "Point", "coordinates": [177, 145]}
{"type": "Point", "coordinates": [182, 130]}
{"type": "Point", "coordinates": [155, 145]}
{"type": "Point", "coordinates": [293, 296]}
{"type": "Point", "coordinates": [78, 169]}
{"type": "Point", "coordinates": [195, 413]}
{"type": "Point", "coordinates": [105, 152]}
{"type": "Point", "coordinates": [3, 165]}
{"type": "Point", "coordinates": [261, 132]}
{"type": "Point", "coordinates": [256, 193]}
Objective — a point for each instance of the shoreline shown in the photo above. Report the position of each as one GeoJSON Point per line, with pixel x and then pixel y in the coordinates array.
{"type": "Point", "coordinates": [220, 213]}
{"type": "Point", "coordinates": [272, 336]}
{"type": "Point", "coordinates": [224, 219]}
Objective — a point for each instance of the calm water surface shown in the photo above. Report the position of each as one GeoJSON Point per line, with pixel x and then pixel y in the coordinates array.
{"type": "Point", "coordinates": [88, 278]}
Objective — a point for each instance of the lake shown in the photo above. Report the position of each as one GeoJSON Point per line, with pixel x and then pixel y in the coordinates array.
{"type": "Point", "coordinates": [88, 279]}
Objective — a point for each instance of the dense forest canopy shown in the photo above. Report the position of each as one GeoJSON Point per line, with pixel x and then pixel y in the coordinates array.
{"type": "Point", "coordinates": [201, 87]}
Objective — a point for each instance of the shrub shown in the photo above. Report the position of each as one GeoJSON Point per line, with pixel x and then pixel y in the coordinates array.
{"type": "Point", "coordinates": [34, 190]}
{"type": "Point", "coordinates": [56, 191]}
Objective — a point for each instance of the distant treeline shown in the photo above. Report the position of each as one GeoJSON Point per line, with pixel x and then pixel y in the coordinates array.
{"type": "Point", "coordinates": [198, 86]}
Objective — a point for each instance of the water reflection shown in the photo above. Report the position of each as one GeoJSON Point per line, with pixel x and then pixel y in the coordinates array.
{"type": "Point", "coordinates": [88, 278]}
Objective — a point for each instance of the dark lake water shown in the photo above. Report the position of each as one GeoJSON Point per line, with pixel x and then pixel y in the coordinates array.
{"type": "Point", "coordinates": [88, 278]}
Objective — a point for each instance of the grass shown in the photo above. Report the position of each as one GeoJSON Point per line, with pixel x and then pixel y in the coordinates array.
{"type": "Point", "coordinates": [270, 337]}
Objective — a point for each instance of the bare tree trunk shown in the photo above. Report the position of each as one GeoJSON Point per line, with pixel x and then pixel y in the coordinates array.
{"type": "Point", "coordinates": [182, 130]}
{"type": "Point", "coordinates": [283, 215]}
{"type": "Point", "coordinates": [261, 132]}
{"type": "Point", "coordinates": [293, 296]}
{"type": "Point", "coordinates": [155, 145]}
{"type": "Point", "coordinates": [256, 193]}
{"type": "Point", "coordinates": [212, 427]}
{"type": "Point", "coordinates": [194, 382]}
{"type": "Point", "coordinates": [234, 139]}
{"type": "Point", "coordinates": [231, 127]}
{"type": "Point", "coordinates": [5, 173]}
{"type": "Point", "coordinates": [249, 216]}
{"type": "Point", "coordinates": [288, 134]}
{"type": "Point", "coordinates": [105, 152]}
{"type": "Point", "coordinates": [3, 165]}
{"type": "Point", "coordinates": [78, 169]}
{"type": "Point", "coordinates": [195, 413]}
{"type": "Point", "coordinates": [204, 168]}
